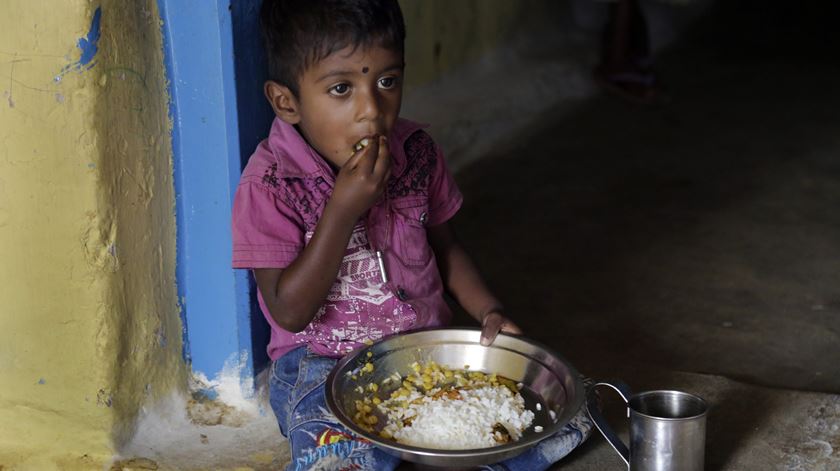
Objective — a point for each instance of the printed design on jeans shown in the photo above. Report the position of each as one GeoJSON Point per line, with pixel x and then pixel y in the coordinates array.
{"type": "Point", "coordinates": [421, 157]}
{"type": "Point", "coordinates": [331, 435]}
{"type": "Point", "coordinates": [342, 455]}
{"type": "Point", "coordinates": [303, 416]}
{"type": "Point", "coordinates": [358, 307]}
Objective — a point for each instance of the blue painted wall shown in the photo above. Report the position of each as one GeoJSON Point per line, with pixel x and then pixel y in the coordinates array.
{"type": "Point", "coordinates": [217, 302]}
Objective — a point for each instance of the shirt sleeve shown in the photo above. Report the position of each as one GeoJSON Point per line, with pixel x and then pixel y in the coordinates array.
{"type": "Point", "coordinates": [266, 232]}
{"type": "Point", "coordinates": [445, 198]}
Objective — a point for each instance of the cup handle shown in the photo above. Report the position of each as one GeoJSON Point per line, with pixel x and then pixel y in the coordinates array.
{"type": "Point", "coordinates": [601, 423]}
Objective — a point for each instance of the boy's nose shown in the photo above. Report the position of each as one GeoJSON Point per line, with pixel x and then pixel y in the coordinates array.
{"type": "Point", "coordinates": [369, 107]}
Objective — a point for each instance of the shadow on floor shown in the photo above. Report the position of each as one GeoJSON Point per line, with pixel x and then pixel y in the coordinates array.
{"type": "Point", "coordinates": [697, 235]}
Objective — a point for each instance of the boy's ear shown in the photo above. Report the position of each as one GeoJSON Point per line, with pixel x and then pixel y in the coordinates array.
{"type": "Point", "coordinates": [283, 101]}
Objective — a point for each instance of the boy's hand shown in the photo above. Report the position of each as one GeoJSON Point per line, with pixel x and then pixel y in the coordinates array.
{"type": "Point", "coordinates": [493, 323]}
{"type": "Point", "coordinates": [363, 178]}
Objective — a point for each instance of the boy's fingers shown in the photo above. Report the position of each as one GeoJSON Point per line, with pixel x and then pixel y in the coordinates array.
{"type": "Point", "coordinates": [509, 327]}
{"type": "Point", "coordinates": [354, 159]}
{"type": "Point", "coordinates": [490, 327]}
{"type": "Point", "coordinates": [387, 175]}
{"type": "Point", "coordinates": [494, 323]}
{"type": "Point", "coordinates": [488, 334]}
{"type": "Point", "coordinates": [367, 156]}
{"type": "Point", "coordinates": [382, 167]}
{"type": "Point", "coordinates": [357, 156]}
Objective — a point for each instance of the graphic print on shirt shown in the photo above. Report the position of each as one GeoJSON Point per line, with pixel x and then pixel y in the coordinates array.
{"type": "Point", "coordinates": [422, 157]}
{"type": "Point", "coordinates": [358, 308]}
{"type": "Point", "coordinates": [358, 276]}
{"type": "Point", "coordinates": [306, 195]}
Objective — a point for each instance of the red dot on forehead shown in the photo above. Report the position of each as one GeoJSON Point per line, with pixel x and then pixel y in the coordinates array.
{"type": "Point", "coordinates": [365, 70]}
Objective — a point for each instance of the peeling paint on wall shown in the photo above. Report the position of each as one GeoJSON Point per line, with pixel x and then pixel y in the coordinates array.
{"type": "Point", "coordinates": [88, 46]}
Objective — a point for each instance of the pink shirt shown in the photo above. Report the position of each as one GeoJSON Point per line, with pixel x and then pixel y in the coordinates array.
{"type": "Point", "coordinates": [280, 198]}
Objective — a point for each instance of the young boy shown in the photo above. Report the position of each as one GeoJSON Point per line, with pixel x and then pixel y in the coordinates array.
{"type": "Point", "coordinates": [342, 214]}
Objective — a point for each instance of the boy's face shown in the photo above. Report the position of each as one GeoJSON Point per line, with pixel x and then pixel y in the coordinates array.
{"type": "Point", "coordinates": [349, 95]}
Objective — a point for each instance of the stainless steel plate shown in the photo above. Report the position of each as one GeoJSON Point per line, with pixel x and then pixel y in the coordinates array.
{"type": "Point", "coordinates": [547, 378]}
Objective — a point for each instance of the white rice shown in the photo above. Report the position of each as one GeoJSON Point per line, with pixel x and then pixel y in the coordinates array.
{"type": "Point", "coordinates": [457, 423]}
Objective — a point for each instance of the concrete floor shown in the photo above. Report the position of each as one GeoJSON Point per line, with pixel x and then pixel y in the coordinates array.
{"type": "Point", "coordinates": [675, 245]}
{"type": "Point", "coordinates": [701, 235]}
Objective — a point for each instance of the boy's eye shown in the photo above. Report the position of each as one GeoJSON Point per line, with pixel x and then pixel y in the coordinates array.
{"type": "Point", "coordinates": [340, 89]}
{"type": "Point", "coordinates": [387, 82]}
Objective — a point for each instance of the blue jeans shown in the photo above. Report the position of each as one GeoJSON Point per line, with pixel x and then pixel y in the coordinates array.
{"type": "Point", "coordinates": [319, 442]}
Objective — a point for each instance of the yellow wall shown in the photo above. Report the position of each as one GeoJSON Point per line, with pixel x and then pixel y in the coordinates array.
{"type": "Point", "coordinates": [136, 195]}
{"type": "Point", "coordinates": [443, 34]}
{"type": "Point", "coordinates": [89, 324]}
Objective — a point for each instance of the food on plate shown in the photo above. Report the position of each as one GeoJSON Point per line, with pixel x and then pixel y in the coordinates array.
{"type": "Point", "coordinates": [442, 408]}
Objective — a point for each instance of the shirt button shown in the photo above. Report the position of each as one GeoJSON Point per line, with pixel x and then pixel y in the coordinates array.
{"type": "Point", "coordinates": [423, 217]}
{"type": "Point", "coordinates": [401, 294]}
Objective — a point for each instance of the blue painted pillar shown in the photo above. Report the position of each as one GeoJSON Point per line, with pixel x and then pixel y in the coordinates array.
{"type": "Point", "coordinates": [215, 299]}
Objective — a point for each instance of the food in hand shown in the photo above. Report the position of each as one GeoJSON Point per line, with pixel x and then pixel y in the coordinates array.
{"type": "Point", "coordinates": [361, 145]}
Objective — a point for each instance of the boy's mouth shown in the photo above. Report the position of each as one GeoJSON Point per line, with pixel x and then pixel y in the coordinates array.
{"type": "Point", "coordinates": [361, 144]}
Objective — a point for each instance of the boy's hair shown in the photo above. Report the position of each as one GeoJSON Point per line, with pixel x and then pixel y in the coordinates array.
{"type": "Point", "coordinates": [299, 33]}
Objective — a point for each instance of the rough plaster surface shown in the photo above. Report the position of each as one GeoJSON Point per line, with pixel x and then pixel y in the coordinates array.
{"type": "Point", "coordinates": [90, 327]}
{"type": "Point", "coordinates": [237, 430]}
{"type": "Point", "coordinates": [54, 279]}
{"type": "Point", "coordinates": [137, 206]}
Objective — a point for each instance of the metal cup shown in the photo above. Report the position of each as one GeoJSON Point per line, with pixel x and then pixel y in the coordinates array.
{"type": "Point", "coordinates": [667, 429]}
